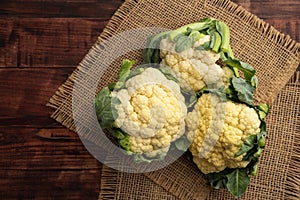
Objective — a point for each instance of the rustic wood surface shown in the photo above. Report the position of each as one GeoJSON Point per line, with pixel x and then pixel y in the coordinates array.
{"type": "Point", "coordinates": [41, 42]}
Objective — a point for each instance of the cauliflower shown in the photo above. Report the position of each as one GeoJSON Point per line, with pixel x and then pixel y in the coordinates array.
{"type": "Point", "coordinates": [149, 114]}
{"type": "Point", "coordinates": [236, 123]}
{"type": "Point", "coordinates": [195, 68]}
{"type": "Point", "coordinates": [152, 112]}
{"type": "Point", "coordinates": [194, 53]}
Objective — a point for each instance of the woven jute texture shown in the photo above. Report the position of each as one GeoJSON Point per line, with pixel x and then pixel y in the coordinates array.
{"type": "Point", "coordinates": [181, 179]}
{"type": "Point", "coordinates": [275, 57]}
{"type": "Point", "coordinates": [118, 185]}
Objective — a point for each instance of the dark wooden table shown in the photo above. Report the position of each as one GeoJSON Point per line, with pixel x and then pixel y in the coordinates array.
{"type": "Point", "coordinates": [41, 42]}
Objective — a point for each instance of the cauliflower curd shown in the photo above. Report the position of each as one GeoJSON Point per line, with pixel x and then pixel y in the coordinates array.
{"type": "Point", "coordinates": [238, 122]}
{"type": "Point", "coordinates": [194, 68]}
{"type": "Point", "coordinates": [152, 112]}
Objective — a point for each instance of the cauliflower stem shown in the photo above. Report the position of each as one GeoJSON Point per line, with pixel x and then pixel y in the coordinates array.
{"type": "Point", "coordinates": [187, 35]}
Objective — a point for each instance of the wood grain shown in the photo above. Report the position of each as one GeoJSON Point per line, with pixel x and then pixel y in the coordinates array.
{"type": "Point", "coordinates": [60, 151]}
{"type": "Point", "coordinates": [283, 15]}
{"type": "Point", "coordinates": [53, 167]}
{"type": "Point", "coordinates": [100, 9]}
{"type": "Point", "coordinates": [46, 42]}
{"type": "Point", "coordinates": [40, 159]}
{"type": "Point", "coordinates": [49, 184]}
{"type": "Point", "coordinates": [41, 42]}
{"type": "Point", "coordinates": [268, 9]}
{"type": "Point", "coordinates": [276, 8]}
{"type": "Point", "coordinates": [289, 27]}
{"type": "Point", "coordinates": [25, 93]}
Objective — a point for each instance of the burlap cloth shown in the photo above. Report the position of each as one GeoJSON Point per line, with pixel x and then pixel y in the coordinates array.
{"type": "Point", "coordinates": [274, 55]}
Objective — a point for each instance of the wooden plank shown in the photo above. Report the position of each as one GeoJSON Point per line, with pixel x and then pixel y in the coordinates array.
{"type": "Point", "coordinates": [289, 27]}
{"type": "Point", "coordinates": [268, 9]}
{"type": "Point", "coordinates": [59, 9]}
{"type": "Point", "coordinates": [33, 42]}
{"type": "Point", "coordinates": [25, 93]}
{"type": "Point", "coordinates": [9, 44]}
{"type": "Point", "coordinates": [47, 184]}
{"type": "Point", "coordinates": [26, 149]}
{"type": "Point", "coordinates": [245, 3]}
{"type": "Point", "coordinates": [46, 164]}
{"type": "Point", "coordinates": [104, 9]}
{"type": "Point", "coordinates": [39, 42]}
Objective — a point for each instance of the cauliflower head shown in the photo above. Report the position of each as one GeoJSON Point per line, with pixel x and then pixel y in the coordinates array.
{"type": "Point", "coordinates": [152, 112]}
{"type": "Point", "coordinates": [195, 68]}
{"type": "Point", "coordinates": [217, 138]}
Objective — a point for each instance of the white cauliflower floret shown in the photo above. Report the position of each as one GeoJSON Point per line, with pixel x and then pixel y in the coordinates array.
{"type": "Point", "coordinates": [214, 146]}
{"type": "Point", "coordinates": [194, 68]}
{"type": "Point", "coordinates": [152, 112]}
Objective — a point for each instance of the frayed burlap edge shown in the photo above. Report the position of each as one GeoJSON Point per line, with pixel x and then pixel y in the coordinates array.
{"type": "Point", "coordinates": [108, 185]}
